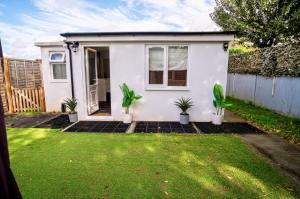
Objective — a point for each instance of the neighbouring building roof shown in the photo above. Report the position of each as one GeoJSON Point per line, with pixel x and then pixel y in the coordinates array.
{"type": "Point", "coordinates": [49, 44]}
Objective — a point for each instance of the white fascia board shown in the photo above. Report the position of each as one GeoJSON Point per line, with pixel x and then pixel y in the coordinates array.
{"type": "Point", "coordinates": [151, 38]}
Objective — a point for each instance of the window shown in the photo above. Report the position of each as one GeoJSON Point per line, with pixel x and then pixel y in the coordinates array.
{"type": "Point", "coordinates": [167, 66]}
{"type": "Point", "coordinates": [57, 57]}
{"type": "Point", "coordinates": [177, 65]}
{"type": "Point", "coordinates": [59, 71]}
{"type": "Point", "coordinates": [58, 65]}
{"type": "Point", "coordinates": [156, 65]}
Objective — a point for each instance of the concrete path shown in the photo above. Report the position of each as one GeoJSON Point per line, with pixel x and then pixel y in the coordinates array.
{"type": "Point", "coordinates": [278, 150]}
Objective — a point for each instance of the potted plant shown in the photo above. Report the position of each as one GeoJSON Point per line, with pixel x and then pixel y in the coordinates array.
{"type": "Point", "coordinates": [184, 104]}
{"type": "Point", "coordinates": [71, 104]}
{"type": "Point", "coordinates": [129, 98]}
{"type": "Point", "coordinates": [219, 103]}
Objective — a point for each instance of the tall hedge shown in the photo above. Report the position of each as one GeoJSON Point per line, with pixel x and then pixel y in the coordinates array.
{"type": "Point", "coordinates": [280, 60]}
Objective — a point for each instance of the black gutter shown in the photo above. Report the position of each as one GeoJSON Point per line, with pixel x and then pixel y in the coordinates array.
{"type": "Point", "coordinates": [168, 33]}
{"type": "Point", "coordinates": [71, 67]}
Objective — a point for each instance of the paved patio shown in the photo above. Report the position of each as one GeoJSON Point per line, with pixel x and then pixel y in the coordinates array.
{"type": "Point", "coordinates": [164, 127]}
{"type": "Point", "coordinates": [27, 121]}
{"type": "Point", "coordinates": [59, 122]}
{"type": "Point", "coordinates": [98, 127]}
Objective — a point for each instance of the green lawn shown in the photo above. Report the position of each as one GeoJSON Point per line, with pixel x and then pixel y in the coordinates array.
{"type": "Point", "coordinates": [281, 125]}
{"type": "Point", "coordinates": [51, 164]}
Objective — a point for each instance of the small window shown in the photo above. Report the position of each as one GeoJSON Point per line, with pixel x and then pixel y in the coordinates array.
{"type": "Point", "coordinates": [156, 65]}
{"type": "Point", "coordinates": [59, 71]}
{"type": "Point", "coordinates": [57, 57]}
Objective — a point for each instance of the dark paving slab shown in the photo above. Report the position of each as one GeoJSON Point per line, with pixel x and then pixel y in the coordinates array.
{"type": "Point", "coordinates": [59, 122]}
{"type": "Point", "coordinates": [278, 150]}
{"type": "Point", "coordinates": [99, 127]}
{"type": "Point", "coordinates": [27, 121]}
{"type": "Point", "coordinates": [228, 127]}
{"type": "Point", "coordinates": [163, 127]}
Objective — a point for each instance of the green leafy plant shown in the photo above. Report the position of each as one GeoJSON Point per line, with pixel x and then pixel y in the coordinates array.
{"type": "Point", "coordinates": [129, 97]}
{"type": "Point", "coordinates": [265, 23]}
{"type": "Point", "coordinates": [71, 104]}
{"type": "Point", "coordinates": [219, 99]}
{"type": "Point", "coordinates": [184, 104]}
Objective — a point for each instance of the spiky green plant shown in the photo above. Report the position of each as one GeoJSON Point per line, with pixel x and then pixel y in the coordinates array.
{"type": "Point", "coordinates": [129, 97]}
{"type": "Point", "coordinates": [184, 104]}
{"type": "Point", "coordinates": [71, 104]}
{"type": "Point", "coordinates": [219, 98]}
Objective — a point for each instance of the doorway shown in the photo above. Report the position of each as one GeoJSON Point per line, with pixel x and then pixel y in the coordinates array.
{"type": "Point", "coordinates": [98, 81]}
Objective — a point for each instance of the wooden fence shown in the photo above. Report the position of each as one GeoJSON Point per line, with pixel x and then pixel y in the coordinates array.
{"type": "Point", "coordinates": [23, 85]}
{"type": "Point", "coordinates": [25, 73]}
{"type": "Point", "coordinates": [28, 99]}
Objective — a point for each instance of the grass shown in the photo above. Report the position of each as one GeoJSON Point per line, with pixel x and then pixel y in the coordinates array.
{"type": "Point", "coordinates": [278, 124]}
{"type": "Point", "coordinates": [51, 164]}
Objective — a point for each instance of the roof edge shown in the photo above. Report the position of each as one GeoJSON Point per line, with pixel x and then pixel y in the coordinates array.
{"type": "Point", "coordinates": [168, 33]}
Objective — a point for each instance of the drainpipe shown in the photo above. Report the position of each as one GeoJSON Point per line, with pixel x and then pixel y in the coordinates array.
{"type": "Point", "coordinates": [71, 66]}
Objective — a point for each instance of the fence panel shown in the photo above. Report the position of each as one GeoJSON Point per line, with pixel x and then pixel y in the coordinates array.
{"type": "Point", "coordinates": [2, 87]}
{"type": "Point", "coordinates": [22, 85]}
{"type": "Point", "coordinates": [28, 99]}
{"type": "Point", "coordinates": [281, 94]}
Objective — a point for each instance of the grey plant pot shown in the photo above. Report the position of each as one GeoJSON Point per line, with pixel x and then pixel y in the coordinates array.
{"type": "Point", "coordinates": [184, 119]}
{"type": "Point", "coordinates": [73, 117]}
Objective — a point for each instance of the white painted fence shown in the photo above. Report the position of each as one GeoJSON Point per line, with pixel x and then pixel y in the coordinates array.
{"type": "Point", "coordinates": [281, 94]}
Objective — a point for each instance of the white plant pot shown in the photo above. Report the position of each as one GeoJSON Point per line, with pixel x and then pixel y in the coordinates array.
{"type": "Point", "coordinates": [217, 119]}
{"type": "Point", "coordinates": [73, 117]}
{"type": "Point", "coordinates": [184, 119]}
{"type": "Point", "coordinates": [127, 118]}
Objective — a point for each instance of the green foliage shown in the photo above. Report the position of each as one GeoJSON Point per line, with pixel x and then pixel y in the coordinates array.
{"type": "Point", "coordinates": [49, 164]}
{"type": "Point", "coordinates": [281, 125]}
{"type": "Point", "coordinates": [129, 97]}
{"type": "Point", "coordinates": [184, 104]}
{"type": "Point", "coordinates": [236, 51]}
{"type": "Point", "coordinates": [219, 101]}
{"type": "Point", "coordinates": [262, 22]}
{"type": "Point", "coordinates": [71, 104]}
{"type": "Point", "coordinates": [240, 46]}
{"type": "Point", "coordinates": [280, 60]}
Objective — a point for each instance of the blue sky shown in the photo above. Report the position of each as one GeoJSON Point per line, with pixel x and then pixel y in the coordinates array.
{"type": "Point", "coordinates": [23, 22]}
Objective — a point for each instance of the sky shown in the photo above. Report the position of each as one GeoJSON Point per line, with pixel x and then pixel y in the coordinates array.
{"type": "Point", "coordinates": [24, 22]}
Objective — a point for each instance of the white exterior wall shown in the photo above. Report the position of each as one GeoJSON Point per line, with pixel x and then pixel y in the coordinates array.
{"type": "Point", "coordinates": [55, 92]}
{"type": "Point", "coordinates": [207, 65]}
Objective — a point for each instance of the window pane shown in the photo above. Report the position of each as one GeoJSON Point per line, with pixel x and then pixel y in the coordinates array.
{"type": "Point", "coordinates": [156, 65]}
{"type": "Point", "coordinates": [92, 68]}
{"type": "Point", "coordinates": [59, 71]}
{"type": "Point", "coordinates": [177, 65]}
{"type": "Point", "coordinates": [57, 57]}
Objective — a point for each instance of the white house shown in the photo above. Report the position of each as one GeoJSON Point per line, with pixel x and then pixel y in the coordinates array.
{"type": "Point", "coordinates": [159, 66]}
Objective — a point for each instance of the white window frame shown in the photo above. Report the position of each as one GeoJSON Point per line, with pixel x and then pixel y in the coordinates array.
{"type": "Point", "coordinates": [61, 61]}
{"type": "Point", "coordinates": [56, 61]}
{"type": "Point", "coordinates": [52, 75]}
{"type": "Point", "coordinates": [165, 86]}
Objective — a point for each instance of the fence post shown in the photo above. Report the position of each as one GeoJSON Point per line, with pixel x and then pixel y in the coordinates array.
{"type": "Point", "coordinates": [8, 85]}
{"type": "Point", "coordinates": [42, 99]}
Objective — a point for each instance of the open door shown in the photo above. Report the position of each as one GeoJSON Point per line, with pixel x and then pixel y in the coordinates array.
{"type": "Point", "coordinates": [92, 80]}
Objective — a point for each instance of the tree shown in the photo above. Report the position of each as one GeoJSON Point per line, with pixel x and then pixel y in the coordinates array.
{"type": "Point", "coordinates": [263, 22]}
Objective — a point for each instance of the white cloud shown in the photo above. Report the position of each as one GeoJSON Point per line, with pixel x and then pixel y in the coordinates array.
{"type": "Point", "coordinates": [56, 16]}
